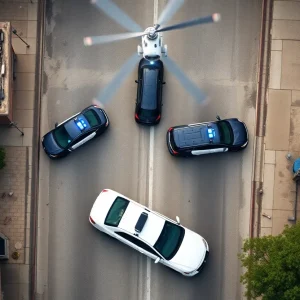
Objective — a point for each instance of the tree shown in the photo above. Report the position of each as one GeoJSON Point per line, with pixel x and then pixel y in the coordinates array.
{"type": "Point", "coordinates": [2, 158]}
{"type": "Point", "coordinates": [273, 265]}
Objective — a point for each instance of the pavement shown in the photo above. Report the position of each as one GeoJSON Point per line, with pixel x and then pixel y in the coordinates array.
{"type": "Point", "coordinates": [279, 137]}
{"type": "Point", "coordinates": [205, 200]}
{"type": "Point", "coordinates": [15, 210]}
{"type": "Point", "coordinates": [276, 196]}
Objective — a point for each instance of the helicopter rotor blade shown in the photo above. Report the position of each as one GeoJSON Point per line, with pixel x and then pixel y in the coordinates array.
{"type": "Point", "coordinates": [118, 15]}
{"type": "Point", "coordinates": [103, 39]}
{"type": "Point", "coordinates": [214, 18]}
{"type": "Point", "coordinates": [106, 94]}
{"type": "Point", "coordinates": [169, 11]}
{"type": "Point", "coordinates": [190, 86]}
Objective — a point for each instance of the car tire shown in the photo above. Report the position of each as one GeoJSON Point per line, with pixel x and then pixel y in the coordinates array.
{"type": "Point", "coordinates": [236, 150]}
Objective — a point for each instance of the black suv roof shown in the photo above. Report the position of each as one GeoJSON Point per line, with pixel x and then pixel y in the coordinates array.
{"type": "Point", "coordinates": [195, 135]}
{"type": "Point", "coordinates": [149, 89]}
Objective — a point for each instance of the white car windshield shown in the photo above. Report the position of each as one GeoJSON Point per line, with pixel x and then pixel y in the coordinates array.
{"type": "Point", "coordinates": [169, 240]}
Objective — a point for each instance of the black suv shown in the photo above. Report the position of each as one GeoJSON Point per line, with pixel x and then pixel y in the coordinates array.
{"type": "Point", "coordinates": [75, 131]}
{"type": "Point", "coordinates": [149, 92]}
{"type": "Point", "coordinates": [209, 137]}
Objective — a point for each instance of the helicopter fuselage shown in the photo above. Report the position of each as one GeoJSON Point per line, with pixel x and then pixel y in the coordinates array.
{"type": "Point", "coordinates": [152, 47]}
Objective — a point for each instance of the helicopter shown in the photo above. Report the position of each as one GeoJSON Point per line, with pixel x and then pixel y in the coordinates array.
{"type": "Point", "coordinates": [151, 48]}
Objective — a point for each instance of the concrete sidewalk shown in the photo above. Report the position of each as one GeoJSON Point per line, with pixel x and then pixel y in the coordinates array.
{"type": "Point", "coordinates": [282, 136]}
{"type": "Point", "coordinates": [15, 211]}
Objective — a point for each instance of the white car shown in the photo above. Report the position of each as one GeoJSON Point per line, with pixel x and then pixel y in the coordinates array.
{"type": "Point", "coordinates": [149, 232]}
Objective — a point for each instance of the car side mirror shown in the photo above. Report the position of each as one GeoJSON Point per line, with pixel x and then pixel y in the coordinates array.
{"type": "Point", "coordinates": [177, 220]}
{"type": "Point", "coordinates": [136, 81]}
{"type": "Point", "coordinates": [218, 118]}
{"type": "Point", "coordinates": [157, 260]}
{"type": "Point", "coordinates": [164, 82]}
{"type": "Point", "coordinates": [56, 124]}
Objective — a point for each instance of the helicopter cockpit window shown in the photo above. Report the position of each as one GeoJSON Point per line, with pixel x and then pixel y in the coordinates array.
{"type": "Point", "coordinates": [154, 57]}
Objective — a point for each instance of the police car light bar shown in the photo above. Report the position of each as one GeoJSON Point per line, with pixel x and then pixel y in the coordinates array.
{"type": "Point", "coordinates": [81, 124]}
{"type": "Point", "coordinates": [211, 133]}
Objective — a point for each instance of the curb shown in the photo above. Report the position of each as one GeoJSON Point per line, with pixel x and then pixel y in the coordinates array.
{"type": "Point", "coordinates": [261, 114]}
{"type": "Point", "coordinates": [36, 146]}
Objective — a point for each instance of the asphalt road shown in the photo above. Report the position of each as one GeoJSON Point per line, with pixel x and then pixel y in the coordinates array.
{"type": "Point", "coordinates": [211, 194]}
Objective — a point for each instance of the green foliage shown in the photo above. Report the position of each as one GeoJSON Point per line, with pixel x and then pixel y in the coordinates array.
{"type": "Point", "coordinates": [273, 265]}
{"type": "Point", "coordinates": [2, 158]}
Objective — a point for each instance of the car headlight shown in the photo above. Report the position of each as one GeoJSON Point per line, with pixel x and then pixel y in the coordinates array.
{"type": "Point", "coordinates": [53, 155]}
{"type": "Point", "coordinates": [205, 243]}
{"type": "Point", "coordinates": [188, 273]}
{"type": "Point", "coordinates": [244, 145]}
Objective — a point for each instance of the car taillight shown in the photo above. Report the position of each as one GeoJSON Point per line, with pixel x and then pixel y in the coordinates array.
{"type": "Point", "coordinates": [137, 117]}
{"type": "Point", "coordinates": [174, 152]}
{"type": "Point", "coordinates": [187, 273]}
{"type": "Point", "coordinates": [92, 221]}
{"type": "Point", "coordinates": [103, 191]}
{"type": "Point", "coordinates": [170, 129]}
{"type": "Point", "coordinates": [157, 118]}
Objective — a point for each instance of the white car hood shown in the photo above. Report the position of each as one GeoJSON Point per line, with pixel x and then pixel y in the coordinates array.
{"type": "Point", "coordinates": [191, 253]}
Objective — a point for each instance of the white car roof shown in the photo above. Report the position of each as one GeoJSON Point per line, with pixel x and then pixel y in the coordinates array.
{"type": "Point", "coordinates": [152, 228]}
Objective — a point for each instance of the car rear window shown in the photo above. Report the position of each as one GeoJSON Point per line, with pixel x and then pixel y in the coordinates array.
{"type": "Point", "coordinates": [172, 141]}
{"type": "Point", "coordinates": [148, 113]}
{"type": "Point", "coordinates": [62, 137]}
{"type": "Point", "coordinates": [116, 212]}
{"type": "Point", "coordinates": [92, 118]}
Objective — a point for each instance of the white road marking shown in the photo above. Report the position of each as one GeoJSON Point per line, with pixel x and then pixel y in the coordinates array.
{"type": "Point", "coordinates": [150, 185]}
{"type": "Point", "coordinates": [151, 161]}
{"type": "Point", "coordinates": [150, 199]}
